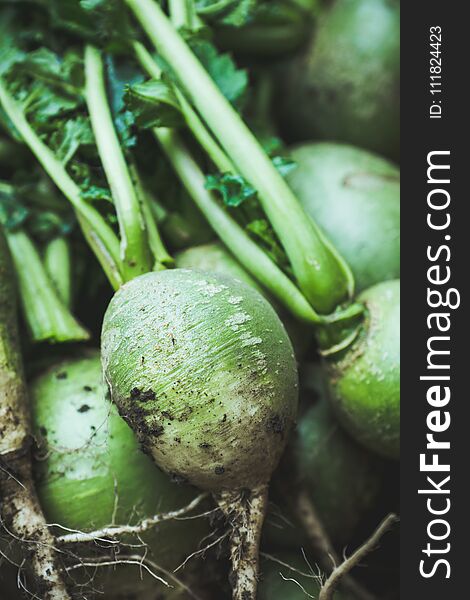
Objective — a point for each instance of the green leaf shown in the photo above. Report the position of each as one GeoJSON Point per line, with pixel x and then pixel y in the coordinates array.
{"type": "Point", "coordinates": [153, 104]}
{"type": "Point", "coordinates": [94, 193]}
{"type": "Point", "coordinates": [233, 189]}
{"type": "Point", "coordinates": [66, 141]}
{"type": "Point", "coordinates": [232, 81]}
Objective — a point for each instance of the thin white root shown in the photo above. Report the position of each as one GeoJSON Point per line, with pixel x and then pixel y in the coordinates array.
{"type": "Point", "coordinates": [245, 511]}
{"type": "Point", "coordinates": [109, 534]}
{"type": "Point", "coordinates": [321, 544]}
{"type": "Point", "coordinates": [330, 585]}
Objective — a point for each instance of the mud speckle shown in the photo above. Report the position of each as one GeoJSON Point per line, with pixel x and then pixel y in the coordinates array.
{"type": "Point", "coordinates": [156, 430]}
{"type": "Point", "coordinates": [275, 424]}
{"type": "Point", "coordinates": [142, 395]}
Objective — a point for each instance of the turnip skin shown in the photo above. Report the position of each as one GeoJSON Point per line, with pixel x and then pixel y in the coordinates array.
{"type": "Point", "coordinates": [345, 86]}
{"type": "Point", "coordinates": [332, 467]}
{"type": "Point", "coordinates": [203, 370]}
{"type": "Point", "coordinates": [216, 258]}
{"type": "Point", "coordinates": [354, 196]}
{"type": "Point", "coordinates": [92, 455]}
{"type": "Point", "coordinates": [365, 379]}
{"type": "Point", "coordinates": [326, 463]}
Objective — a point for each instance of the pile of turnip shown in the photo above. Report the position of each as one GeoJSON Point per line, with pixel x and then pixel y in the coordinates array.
{"type": "Point", "coordinates": [206, 275]}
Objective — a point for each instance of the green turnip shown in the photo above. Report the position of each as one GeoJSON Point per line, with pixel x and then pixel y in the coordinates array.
{"type": "Point", "coordinates": [203, 370]}
{"type": "Point", "coordinates": [326, 465]}
{"type": "Point", "coordinates": [345, 86]}
{"type": "Point", "coordinates": [365, 379]}
{"type": "Point", "coordinates": [216, 258]}
{"type": "Point", "coordinates": [354, 196]}
{"type": "Point", "coordinates": [95, 475]}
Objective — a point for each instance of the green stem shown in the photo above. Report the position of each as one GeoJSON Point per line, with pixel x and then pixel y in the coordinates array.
{"type": "Point", "coordinates": [182, 13]}
{"type": "Point", "coordinates": [57, 264]}
{"type": "Point", "coordinates": [322, 274]}
{"type": "Point", "coordinates": [250, 255]}
{"type": "Point", "coordinates": [160, 254]}
{"type": "Point", "coordinates": [134, 249]}
{"type": "Point", "coordinates": [197, 127]}
{"type": "Point", "coordinates": [47, 317]}
{"type": "Point", "coordinates": [105, 243]}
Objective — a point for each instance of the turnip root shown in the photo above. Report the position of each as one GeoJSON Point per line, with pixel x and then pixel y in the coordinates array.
{"type": "Point", "coordinates": [202, 369]}
{"type": "Point", "coordinates": [20, 513]}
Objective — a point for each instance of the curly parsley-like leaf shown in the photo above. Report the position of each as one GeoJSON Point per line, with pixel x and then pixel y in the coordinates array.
{"type": "Point", "coordinates": [235, 190]}
{"type": "Point", "coordinates": [153, 104]}
{"type": "Point", "coordinates": [232, 81]}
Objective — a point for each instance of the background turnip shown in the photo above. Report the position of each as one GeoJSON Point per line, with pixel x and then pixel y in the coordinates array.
{"type": "Point", "coordinates": [201, 367]}
{"type": "Point", "coordinates": [365, 379]}
{"type": "Point", "coordinates": [345, 86]}
{"type": "Point", "coordinates": [217, 259]}
{"type": "Point", "coordinates": [92, 473]}
{"type": "Point", "coordinates": [354, 196]}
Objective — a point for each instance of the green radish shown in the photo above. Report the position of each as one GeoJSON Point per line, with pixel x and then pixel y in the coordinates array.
{"type": "Point", "coordinates": [346, 85]}
{"type": "Point", "coordinates": [354, 196]}
{"type": "Point", "coordinates": [216, 258]}
{"type": "Point", "coordinates": [365, 380]}
{"type": "Point", "coordinates": [203, 370]}
{"type": "Point", "coordinates": [94, 473]}
{"type": "Point", "coordinates": [329, 466]}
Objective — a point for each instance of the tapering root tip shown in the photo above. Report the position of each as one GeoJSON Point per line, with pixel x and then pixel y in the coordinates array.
{"type": "Point", "coordinates": [244, 511]}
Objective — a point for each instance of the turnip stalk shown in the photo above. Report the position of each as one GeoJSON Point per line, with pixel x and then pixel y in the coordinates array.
{"type": "Point", "coordinates": [134, 248]}
{"type": "Point", "coordinates": [322, 275]}
{"type": "Point", "coordinates": [20, 512]}
{"type": "Point", "coordinates": [197, 127]}
{"type": "Point", "coordinates": [159, 252]}
{"type": "Point", "coordinates": [98, 233]}
{"type": "Point", "coordinates": [57, 264]}
{"type": "Point", "coordinates": [46, 315]}
{"type": "Point", "coordinates": [203, 370]}
{"type": "Point", "coordinates": [354, 196]}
